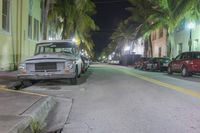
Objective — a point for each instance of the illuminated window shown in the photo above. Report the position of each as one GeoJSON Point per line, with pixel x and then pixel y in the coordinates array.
{"type": "Point", "coordinates": [6, 15]}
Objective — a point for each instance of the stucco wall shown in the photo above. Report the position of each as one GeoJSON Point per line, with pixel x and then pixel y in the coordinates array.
{"type": "Point", "coordinates": [183, 37]}
{"type": "Point", "coordinates": [159, 43]}
{"type": "Point", "coordinates": [15, 45]}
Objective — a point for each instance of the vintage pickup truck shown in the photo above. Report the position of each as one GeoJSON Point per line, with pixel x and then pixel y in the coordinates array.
{"type": "Point", "coordinates": [52, 60]}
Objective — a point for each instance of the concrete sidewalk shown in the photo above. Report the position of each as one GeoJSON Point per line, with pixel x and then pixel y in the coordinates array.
{"type": "Point", "coordinates": [20, 110]}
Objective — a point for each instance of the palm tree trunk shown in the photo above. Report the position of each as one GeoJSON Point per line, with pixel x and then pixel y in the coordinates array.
{"type": "Point", "coordinates": [64, 28]}
{"type": "Point", "coordinates": [45, 10]}
{"type": "Point", "coordinates": [171, 45]}
{"type": "Point", "coordinates": [150, 45]}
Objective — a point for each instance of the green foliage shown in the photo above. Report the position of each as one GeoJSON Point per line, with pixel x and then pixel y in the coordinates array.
{"type": "Point", "coordinates": [74, 18]}
{"type": "Point", "coordinates": [36, 127]}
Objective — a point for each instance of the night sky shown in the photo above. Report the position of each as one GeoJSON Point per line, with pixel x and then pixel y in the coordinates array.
{"type": "Point", "coordinates": [109, 14]}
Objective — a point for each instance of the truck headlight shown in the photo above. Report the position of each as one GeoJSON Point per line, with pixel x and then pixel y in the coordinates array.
{"type": "Point", "coordinates": [22, 68]}
{"type": "Point", "coordinates": [69, 65]}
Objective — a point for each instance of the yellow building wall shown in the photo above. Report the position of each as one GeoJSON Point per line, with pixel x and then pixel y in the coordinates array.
{"type": "Point", "coordinates": [15, 46]}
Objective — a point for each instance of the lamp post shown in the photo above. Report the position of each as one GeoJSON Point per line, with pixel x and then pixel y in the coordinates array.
{"type": "Point", "coordinates": [191, 25]}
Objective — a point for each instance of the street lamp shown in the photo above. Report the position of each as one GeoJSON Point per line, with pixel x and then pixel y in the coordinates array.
{"type": "Point", "coordinates": [191, 25]}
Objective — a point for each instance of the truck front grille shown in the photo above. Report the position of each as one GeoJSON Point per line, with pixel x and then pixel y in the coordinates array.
{"type": "Point", "coordinates": [46, 66]}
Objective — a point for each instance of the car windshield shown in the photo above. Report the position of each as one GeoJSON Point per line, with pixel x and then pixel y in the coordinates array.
{"type": "Point", "coordinates": [56, 47]}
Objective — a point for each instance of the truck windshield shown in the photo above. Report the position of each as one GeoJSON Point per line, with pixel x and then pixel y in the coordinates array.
{"type": "Point", "coordinates": [56, 47]}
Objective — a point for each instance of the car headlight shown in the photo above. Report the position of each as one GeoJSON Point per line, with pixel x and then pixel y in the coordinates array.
{"type": "Point", "coordinates": [69, 64]}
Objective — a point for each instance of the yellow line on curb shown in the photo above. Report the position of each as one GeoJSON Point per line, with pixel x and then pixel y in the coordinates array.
{"type": "Point", "coordinates": [23, 92]}
{"type": "Point", "coordinates": [163, 84]}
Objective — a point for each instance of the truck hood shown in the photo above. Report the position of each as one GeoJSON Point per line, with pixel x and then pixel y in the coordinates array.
{"type": "Point", "coordinates": [54, 56]}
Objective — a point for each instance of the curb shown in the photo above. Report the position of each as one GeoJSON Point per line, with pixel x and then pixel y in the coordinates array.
{"type": "Point", "coordinates": [36, 113]}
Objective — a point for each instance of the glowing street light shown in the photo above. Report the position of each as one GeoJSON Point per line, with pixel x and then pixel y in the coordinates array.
{"type": "Point", "coordinates": [191, 26]}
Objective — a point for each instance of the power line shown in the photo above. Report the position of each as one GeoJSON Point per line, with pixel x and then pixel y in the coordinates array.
{"type": "Point", "coordinates": [110, 2]}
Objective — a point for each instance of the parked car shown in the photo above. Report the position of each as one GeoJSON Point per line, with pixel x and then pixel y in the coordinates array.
{"type": "Point", "coordinates": [140, 63]}
{"type": "Point", "coordinates": [160, 63]}
{"type": "Point", "coordinates": [85, 63]}
{"type": "Point", "coordinates": [187, 63]}
{"type": "Point", "coordinates": [52, 60]}
{"type": "Point", "coordinates": [148, 64]}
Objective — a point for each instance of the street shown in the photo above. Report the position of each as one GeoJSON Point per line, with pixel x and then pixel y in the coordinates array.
{"type": "Point", "coordinates": [116, 99]}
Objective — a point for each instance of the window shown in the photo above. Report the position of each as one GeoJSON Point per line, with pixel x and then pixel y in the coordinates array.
{"type": "Point", "coordinates": [178, 57]}
{"type": "Point", "coordinates": [30, 27]}
{"type": "Point", "coordinates": [36, 29]}
{"type": "Point", "coordinates": [159, 52]}
{"type": "Point", "coordinates": [160, 33]}
{"type": "Point", "coordinates": [196, 45]}
{"type": "Point", "coordinates": [184, 56]}
{"type": "Point", "coordinates": [180, 48]}
{"type": "Point", "coordinates": [6, 15]}
{"type": "Point", "coordinates": [154, 36]}
{"type": "Point", "coordinates": [30, 20]}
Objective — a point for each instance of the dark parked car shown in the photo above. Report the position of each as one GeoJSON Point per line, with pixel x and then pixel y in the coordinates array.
{"type": "Point", "coordinates": [187, 63]}
{"type": "Point", "coordinates": [85, 64]}
{"type": "Point", "coordinates": [160, 64]}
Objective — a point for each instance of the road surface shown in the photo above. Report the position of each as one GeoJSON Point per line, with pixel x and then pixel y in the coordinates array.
{"type": "Point", "coordinates": [115, 99]}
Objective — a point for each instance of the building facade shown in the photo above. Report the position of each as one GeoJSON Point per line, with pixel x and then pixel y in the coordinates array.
{"type": "Point", "coordinates": [20, 29]}
{"type": "Point", "coordinates": [159, 42]}
{"type": "Point", "coordinates": [182, 37]}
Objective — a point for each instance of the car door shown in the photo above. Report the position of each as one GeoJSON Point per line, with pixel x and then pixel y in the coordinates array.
{"type": "Point", "coordinates": [176, 62]}
{"type": "Point", "coordinates": [184, 58]}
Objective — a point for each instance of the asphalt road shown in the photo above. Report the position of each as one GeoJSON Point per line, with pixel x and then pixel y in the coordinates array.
{"type": "Point", "coordinates": [114, 99]}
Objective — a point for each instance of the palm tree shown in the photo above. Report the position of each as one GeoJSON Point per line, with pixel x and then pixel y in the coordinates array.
{"type": "Point", "coordinates": [140, 11]}
{"type": "Point", "coordinates": [168, 14]}
{"type": "Point", "coordinates": [45, 11]}
{"type": "Point", "coordinates": [74, 19]}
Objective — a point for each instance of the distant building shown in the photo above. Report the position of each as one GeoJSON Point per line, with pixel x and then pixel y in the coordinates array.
{"type": "Point", "coordinates": [159, 42]}
{"type": "Point", "coordinates": [20, 29]}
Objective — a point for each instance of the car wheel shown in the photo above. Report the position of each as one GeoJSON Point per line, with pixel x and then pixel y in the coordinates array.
{"type": "Point", "coordinates": [184, 72]}
{"type": "Point", "coordinates": [169, 70]}
{"type": "Point", "coordinates": [74, 80]}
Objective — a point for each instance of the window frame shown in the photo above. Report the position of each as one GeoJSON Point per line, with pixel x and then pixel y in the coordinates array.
{"type": "Point", "coordinates": [6, 16]}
